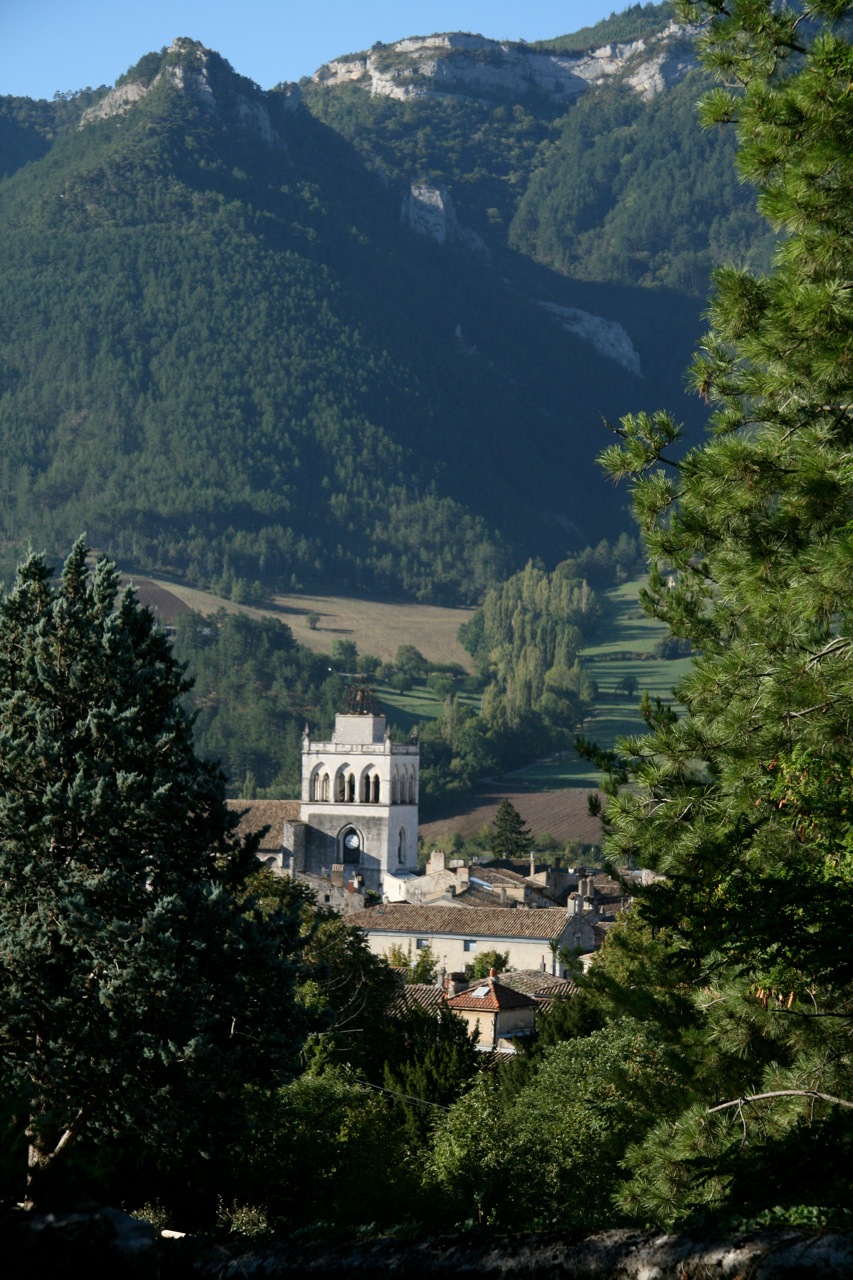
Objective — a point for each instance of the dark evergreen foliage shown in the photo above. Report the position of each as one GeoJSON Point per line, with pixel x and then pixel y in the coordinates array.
{"type": "Point", "coordinates": [511, 836]}
{"type": "Point", "coordinates": [742, 803]}
{"type": "Point", "coordinates": [139, 989]}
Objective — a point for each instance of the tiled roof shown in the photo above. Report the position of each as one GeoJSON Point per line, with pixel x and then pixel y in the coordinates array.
{"type": "Point", "coordinates": [418, 995]}
{"type": "Point", "coordinates": [474, 896]}
{"type": "Point", "coordinates": [490, 996]}
{"type": "Point", "coordinates": [462, 922]}
{"type": "Point", "coordinates": [533, 982]}
{"type": "Point", "coordinates": [265, 813]}
{"type": "Point", "coordinates": [497, 875]}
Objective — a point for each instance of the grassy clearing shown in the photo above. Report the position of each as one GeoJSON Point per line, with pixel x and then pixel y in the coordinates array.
{"type": "Point", "coordinates": [625, 631]}
{"type": "Point", "coordinates": [416, 705]}
{"type": "Point", "coordinates": [376, 626]}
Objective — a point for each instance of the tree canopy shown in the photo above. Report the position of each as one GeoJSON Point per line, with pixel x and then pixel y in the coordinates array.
{"type": "Point", "coordinates": [743, 802]}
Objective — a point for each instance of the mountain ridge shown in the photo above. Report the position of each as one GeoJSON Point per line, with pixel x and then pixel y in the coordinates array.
{"type": "Point", "coordinates": [451, 63]}
{"type": "Point", "coordinates": [228, 358]}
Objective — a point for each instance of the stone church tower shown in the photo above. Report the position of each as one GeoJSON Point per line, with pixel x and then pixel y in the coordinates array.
{"type": "Point", "coordinates": [359, 808]}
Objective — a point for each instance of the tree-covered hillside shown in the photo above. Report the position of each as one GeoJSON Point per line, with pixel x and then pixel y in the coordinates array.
{"type": "Point", "coordinates": [223, 357]}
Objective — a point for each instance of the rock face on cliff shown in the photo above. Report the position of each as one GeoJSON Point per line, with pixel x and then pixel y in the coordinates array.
{"type": "Point", "coordinates": [608, 337]}
{"type": "Point", "coordinates": [471, 66]}
{"type": "Point", "coordinates": [429, 211]}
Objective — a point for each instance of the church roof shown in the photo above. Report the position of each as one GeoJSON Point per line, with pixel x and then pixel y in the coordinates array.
{"type": "Point", "coordinates": [256, 814]}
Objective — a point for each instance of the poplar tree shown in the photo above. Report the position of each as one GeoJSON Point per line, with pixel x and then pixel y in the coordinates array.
{"type": "Point", "coordinates": [745, 800]}
{"type": "Point", "coordinates": [139, 988]}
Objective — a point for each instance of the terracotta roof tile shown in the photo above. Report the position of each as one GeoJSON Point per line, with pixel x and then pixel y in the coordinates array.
{"type": "Point", "coordinates": [490, 996]}
{"type": "Point", "coordinates": [461, 922]}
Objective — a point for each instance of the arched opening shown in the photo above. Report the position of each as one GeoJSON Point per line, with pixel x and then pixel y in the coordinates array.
{"type": "Point", "coordinates": [376, 788]}
{"type": "Point", "coordinates": [350, 846]}
{"type": "Point", "coordinates": [324, 790]}
{"type": "Point", "coordinates": [351, 788]}
{"type": "Point", "coordinates": [314, 789]}
{"type": "Point", "coordinates": [401, 848]}
{"type": "Point", "coordinates": [412, 793]}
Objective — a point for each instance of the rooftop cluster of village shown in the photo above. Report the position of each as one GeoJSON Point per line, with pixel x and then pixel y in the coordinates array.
{"type": "Point", "coordinates": [352, 839]}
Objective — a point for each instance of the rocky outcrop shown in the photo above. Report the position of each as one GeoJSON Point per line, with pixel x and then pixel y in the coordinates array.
{"type": "Point", "coordinates": [609, 338]}
{"type": "Point", "coordinates": [428, 210]}
{"type": "Point", "coordinates": [103, 1242]}
{"type": "Point", "coordinates": [605, 1255]}
{"type": "Point", "coordinates": [472, 66]}
{"type": "Point", "coordinates": [188, 68]}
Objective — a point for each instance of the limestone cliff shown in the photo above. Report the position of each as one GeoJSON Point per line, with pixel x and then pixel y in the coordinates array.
{"type": "Point", "coordinates": [463, 65]}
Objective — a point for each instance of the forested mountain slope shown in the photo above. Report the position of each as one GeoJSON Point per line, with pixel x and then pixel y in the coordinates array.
{"type": "Point", "coordinates": [226, 357]}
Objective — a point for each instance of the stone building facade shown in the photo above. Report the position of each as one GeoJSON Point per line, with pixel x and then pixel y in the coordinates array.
{"type": "Point", "coordinates": [358, 814]}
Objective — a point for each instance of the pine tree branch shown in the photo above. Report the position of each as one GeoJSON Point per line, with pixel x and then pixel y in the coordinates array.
{"type": "Point", "coordinates": [840, 644]}
{"type": "Point", "coordinates": [814, 1094]}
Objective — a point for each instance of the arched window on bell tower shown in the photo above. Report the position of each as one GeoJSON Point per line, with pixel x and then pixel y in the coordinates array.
{"type": "Point", "coordinates": [350, 846]}
{"type": "Point", "coordinates": [376, 788]}
{"type": "Point", "coordinates": [401, 848]}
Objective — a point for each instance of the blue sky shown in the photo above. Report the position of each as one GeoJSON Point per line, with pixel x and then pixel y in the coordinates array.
{"type": "Point", "coordinates": [49, 45]}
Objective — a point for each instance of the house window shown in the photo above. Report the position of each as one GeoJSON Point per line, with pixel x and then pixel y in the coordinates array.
{"type": "Point", "coordinates": [470, 944]}
{"type": "Point", "coordinates": [420, 943]}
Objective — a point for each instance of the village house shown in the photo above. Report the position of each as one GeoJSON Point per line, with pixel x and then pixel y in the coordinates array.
{"type": "Point", "coordinates": [534, 939]}
{"type": "Point", "coordinates": [497, 1014]}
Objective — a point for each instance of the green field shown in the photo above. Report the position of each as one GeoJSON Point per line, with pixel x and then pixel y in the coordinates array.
{"type": "Point", "coordinates": [418, 704]}
{"type": "Point", "coordinates": [625, 630]}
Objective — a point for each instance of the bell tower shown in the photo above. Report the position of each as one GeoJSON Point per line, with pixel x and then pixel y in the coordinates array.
{"type": "Point", "coordinates": [360, 795]}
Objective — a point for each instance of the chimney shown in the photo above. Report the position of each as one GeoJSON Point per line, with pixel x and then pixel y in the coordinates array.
{"type": "Point", "coordinates": [532, 863]}
{"type": "Point", "coordinates": [463, 877]}
{"type": "Point", "coordinates": [436, 862]}
{"type": "Point", "coordinates": [338, 875]}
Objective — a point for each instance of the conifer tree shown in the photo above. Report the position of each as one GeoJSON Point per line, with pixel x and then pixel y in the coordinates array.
{"type": "Point", "coordinates": [510, 834]}
{"type": "Point", "coordinates": [138, 987]}
{"type": "Point", "coordinates": [744, 802]}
